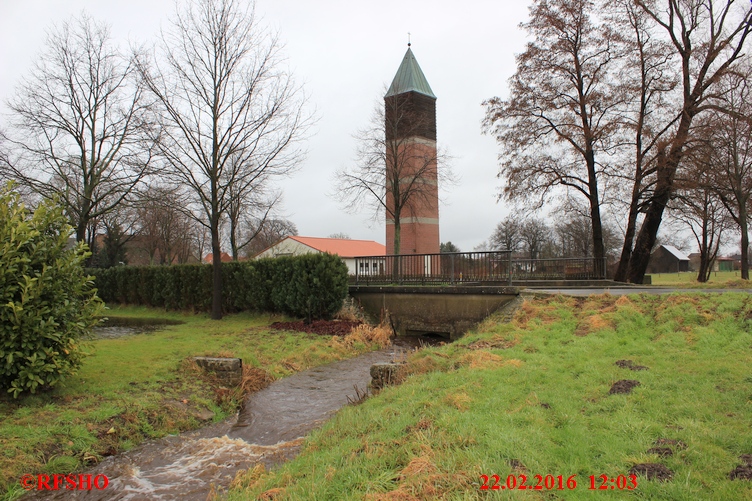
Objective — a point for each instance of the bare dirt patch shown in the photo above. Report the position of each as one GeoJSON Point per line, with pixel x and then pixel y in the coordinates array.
{"type": "Point", "coordinates": [628, 364]}
{"type": "Point", "coordinates": [653, 471]}
{"type": "Point", "coordinates": [321, 327]}
{"type": "Point", "coordinates": [743, 472]}
{"type": "Point", "coordinates": [624, 386]}
{"type": "Point", "coordinates": [518, 466]}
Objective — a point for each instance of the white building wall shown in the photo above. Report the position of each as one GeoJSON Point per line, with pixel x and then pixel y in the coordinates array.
{"type": "Point", "coordinates": [290, 247]}
{"type": "Point", "coordinates": [287, 247]}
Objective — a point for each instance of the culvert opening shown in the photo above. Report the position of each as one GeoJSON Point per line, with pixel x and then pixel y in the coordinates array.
{"type": "Point", "coordinates": [424, 337]}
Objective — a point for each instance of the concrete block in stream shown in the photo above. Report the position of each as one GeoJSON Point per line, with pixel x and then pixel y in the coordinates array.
{"type": "Point", "coordinates": [227, 370]}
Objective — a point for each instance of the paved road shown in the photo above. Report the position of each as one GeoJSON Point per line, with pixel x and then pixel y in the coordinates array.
{"type": "Point", "coordinates": [620, 291]}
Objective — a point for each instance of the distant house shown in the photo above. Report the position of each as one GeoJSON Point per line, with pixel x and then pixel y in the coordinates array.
{"type": "Point", "coordinates": [348, 250]}
{"type": "Point", "coordinates": [224, 257]}
{"type": "Point", "coordinates": [720, 263]}
{"type": "Point", "coordinates": [723, 264]}
{"type": "Point", "coordinates": [668, 259]}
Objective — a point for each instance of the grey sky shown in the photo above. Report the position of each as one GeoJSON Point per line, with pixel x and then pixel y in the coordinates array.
{"type": "Point", "coordinates": [344, 52]}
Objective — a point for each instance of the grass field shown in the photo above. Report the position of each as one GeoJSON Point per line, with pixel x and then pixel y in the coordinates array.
{"type": "Point", "coordinates": [532, 397]}
{"type": "Point", "coordinates": [141, 386]}
{"type": "Point", "coordinates": [719, 279]}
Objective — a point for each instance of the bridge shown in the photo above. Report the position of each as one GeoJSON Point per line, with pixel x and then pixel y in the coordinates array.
{"type": "Point", "coordinates": [448, 293]}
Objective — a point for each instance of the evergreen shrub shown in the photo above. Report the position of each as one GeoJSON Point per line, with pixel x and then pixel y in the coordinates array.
{"type": "Point", "coordinates": [48, 304]}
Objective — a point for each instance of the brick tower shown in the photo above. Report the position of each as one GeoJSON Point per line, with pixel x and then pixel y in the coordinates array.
{"type": "Point", "coordinates": [412, 190]}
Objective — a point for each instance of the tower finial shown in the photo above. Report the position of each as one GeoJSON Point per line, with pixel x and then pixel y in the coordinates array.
{"type": "Point", "coordinates": [408, 39]}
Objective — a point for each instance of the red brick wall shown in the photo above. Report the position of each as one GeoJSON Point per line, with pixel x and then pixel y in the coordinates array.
{"type": "Point", "coordinates": [420, 215]}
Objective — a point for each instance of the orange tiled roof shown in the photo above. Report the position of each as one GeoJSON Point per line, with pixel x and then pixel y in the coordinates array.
{"type": "Point", "coordinates": [225, 257]}
{"type": "Point", "coordinates": [342, 247]}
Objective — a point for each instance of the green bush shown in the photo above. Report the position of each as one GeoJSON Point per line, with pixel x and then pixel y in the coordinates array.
{"type": "Point", "coordinates": [311, 286]}
{"type": "Point", "coordinates": [314, 286]}
{"type": "Point", "coordinates": [48, 304]}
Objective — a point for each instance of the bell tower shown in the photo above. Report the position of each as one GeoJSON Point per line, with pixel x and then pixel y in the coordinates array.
{"type": "Point", "coordinates": [412, 190]}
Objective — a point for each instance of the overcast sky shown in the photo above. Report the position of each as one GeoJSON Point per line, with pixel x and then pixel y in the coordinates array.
{"type": "Point", "coordinates": [344, 52]}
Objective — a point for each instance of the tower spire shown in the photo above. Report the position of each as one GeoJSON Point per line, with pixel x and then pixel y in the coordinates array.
{"type": "Point", "coordinates": [409, 77]}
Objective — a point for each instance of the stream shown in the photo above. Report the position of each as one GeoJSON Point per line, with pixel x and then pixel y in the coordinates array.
{"type": "Point", "coordinates": [269, 429]}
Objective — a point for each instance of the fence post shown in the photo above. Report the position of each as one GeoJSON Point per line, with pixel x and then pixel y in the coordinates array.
{"type": "Point", "coordinates": [451, 276]}
{"type": "Point", "coordinates": [509, 266]}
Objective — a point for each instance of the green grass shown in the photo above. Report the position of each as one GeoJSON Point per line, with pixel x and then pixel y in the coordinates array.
{"type": "Point", "coordinates": [688, 279]}
{"type": "Point", "coordinates": [535, 392]}
{"type": "Point", "coordinates": [139, 387]}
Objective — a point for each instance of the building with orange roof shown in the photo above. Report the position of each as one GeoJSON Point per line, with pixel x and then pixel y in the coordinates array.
{"type": "Point", "coordinates": [347, 249]}
{"type": "Point", "coordinates": [224, 257]}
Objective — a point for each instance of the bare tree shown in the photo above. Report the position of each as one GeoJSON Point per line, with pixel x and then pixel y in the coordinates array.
{"type": "Point", "coordinates": [573, 233]}
{"type": "Point", "coordinates": [707, 37]}
{"type": "Point", "coordinates": [507, 235]}
{"type": "Point", "coordinates": [269, 233]}
{"type": "Point", "coordinates": [698, 206]}
{"type": "Point", "coordinates": [340, 236]}
{"type": "Point", "coordinates": [78, 124]}
{"type": "Point", "coordinates": [535, 236]}
{"type": "Point", "coordinates": [247, 212]}
{"type": "Point", "coordinates": [110, 249]}
{"type": "Point", "coordinates": [561, 111]}
{"type": "Point", "coordinates": [393, 173]}
{"type": "Point", "coordinates": [231, 116]}
{"type": "Point", "coordinates": [647, 82]}
{"type": "Point", "coordinates": [728, 134]}
{"type": "Point", "coordinates": [166, 230]}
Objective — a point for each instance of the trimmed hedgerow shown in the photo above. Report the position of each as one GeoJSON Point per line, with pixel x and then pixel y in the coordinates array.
{"type": "Point", "coordinates": [311, 286]}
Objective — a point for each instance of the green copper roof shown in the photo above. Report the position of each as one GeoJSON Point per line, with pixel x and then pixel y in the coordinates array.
{"type": "Point", "coordinates": [409, 77]}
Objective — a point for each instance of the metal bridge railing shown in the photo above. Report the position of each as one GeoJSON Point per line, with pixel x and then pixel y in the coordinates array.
{"type": "Point", "coordinates": [456, 268]}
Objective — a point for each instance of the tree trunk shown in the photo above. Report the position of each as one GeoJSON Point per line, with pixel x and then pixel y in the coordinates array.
{"type": "Point", "coordinates": [599, 252]}
{"type": "Point", "coordinates": [666, 169]}
{"type": "Point", "coordinates": [216, 312]}
{"type": "Point", "coordinates": [638, 262]}
{"type": "Point", "coordinates": [743, 227]}
{"type": "Point", "coordinates": [629, 234]}
{"type": "Point", "coordinates": [397, 243]}
{"type": "Point", "coordinates": [704, 273]}
{"type": "Point", "coordinates": [81, 230]}
{"type": "Point", "coordinates": [233, 240]}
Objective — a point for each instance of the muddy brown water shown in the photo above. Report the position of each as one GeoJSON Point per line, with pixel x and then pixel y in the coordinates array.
{"type": "Point", "coordinates": [114, 327]}
{"type": "Point", "coordinates": [269, 430]}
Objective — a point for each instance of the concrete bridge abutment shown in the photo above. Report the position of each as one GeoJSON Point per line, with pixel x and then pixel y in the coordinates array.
{"type": "Point", "coordinates": [449, 311]}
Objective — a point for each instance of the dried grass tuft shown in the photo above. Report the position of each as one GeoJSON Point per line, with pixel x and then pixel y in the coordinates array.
{"type": "Point", "coordinates": [271, 494]}
{"type": "Point", "coordinates": [624, 301]}
{"type": "Point", "coordinates": [481, 359]}
{"type": "Point", "coordinates": [350, 311]}
{"type": "Point", "coordinates": [369, 334]}
{"type": "Point", "coordinates": [421, 465]}
{"type": "Point", "coordinates": [459, 401]}
{"type": "Point", "coordinates": [254, 379]}
{"type": "Point", "coordinates": [592, 323]}
{"type": "Point", "coordinates": [247, 479]}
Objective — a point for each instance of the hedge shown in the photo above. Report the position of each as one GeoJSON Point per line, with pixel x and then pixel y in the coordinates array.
{"type": "Point", "coordinates": [310, 286]}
